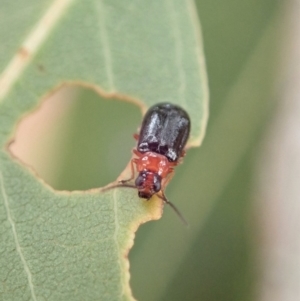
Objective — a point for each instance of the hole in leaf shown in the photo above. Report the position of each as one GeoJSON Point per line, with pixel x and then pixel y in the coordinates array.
{"type": "Point", "coordinates": [76, 139]}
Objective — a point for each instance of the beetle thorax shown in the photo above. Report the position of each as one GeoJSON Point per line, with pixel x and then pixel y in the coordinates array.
{"type": "Point", "coordinates": [153, 162]}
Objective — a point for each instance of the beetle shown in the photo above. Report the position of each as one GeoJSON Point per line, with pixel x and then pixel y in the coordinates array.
{"type": "Point", "coordinates": [160, 147]}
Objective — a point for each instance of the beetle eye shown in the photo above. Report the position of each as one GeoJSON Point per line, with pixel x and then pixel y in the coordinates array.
{"type": "Point", "coordinates": [157, 187]}
{"type": "Point", "coordinates": [157, 183]}
{"type": "Point", "coordinates": [140, 180]}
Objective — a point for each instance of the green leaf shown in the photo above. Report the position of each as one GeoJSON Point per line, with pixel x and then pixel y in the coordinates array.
{"type": "Point", "coordinates": [74, 245]}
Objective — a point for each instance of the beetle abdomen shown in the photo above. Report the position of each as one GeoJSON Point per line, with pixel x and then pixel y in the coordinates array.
{"type": "Point", "coordinates": [165, 130]}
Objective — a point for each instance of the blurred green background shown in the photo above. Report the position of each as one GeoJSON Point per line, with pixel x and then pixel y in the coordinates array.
{"type": "Point", "coordinates": [214, 259]}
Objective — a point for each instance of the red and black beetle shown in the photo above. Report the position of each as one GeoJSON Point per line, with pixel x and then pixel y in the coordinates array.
{"type": "Point", "coordinates": [161, 141]}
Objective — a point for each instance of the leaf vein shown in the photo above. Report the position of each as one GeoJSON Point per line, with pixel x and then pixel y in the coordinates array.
{"type": "Point", "coordinates": [16, 239]}
{"type": "Point", "coordinates": [31, 45]}
{"type": "Point", "coordinates": [106, 45]}
{"type": "Point", "coordinates": [178, 49]}
{"type": "Point", "coordinates": [117, 227]}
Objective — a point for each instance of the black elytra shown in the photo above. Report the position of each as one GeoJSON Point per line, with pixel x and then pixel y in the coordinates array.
{"type": "Point", "coordinates": [165, 130]}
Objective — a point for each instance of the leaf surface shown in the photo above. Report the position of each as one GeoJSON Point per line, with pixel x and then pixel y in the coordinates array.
{"type": "Point", "coordinates": [74, 245]}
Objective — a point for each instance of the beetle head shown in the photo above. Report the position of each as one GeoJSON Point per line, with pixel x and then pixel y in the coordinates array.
{"type": "Point", "coordinates": [148, 183]}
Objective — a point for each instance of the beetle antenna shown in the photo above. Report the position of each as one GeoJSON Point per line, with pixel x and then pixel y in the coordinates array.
{"type": "Point", "coordinates": [164, 198]}
{"type": "Point", "coordinates": [121, 184]}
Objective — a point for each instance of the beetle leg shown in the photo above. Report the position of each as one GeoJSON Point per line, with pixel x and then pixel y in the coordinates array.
{"type": "Point", "coordinates": [136, 152]}
{"type": "Point", "coordinates": [136, 136]}
{"type": "Point", "coordinates": [173, 164]}
{"type": "Point", "coordinates": [168, 179]}
{"type": "Point", "coordinates": [132, 172]}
